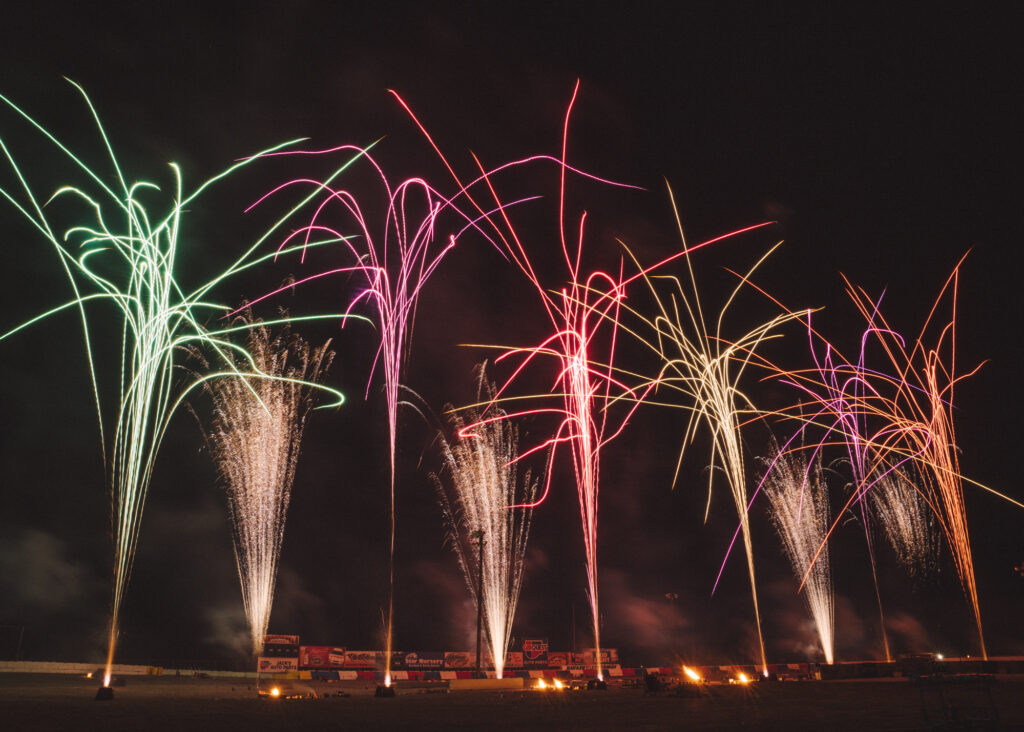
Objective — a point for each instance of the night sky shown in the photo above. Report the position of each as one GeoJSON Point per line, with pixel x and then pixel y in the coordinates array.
{"type": "Point", "coordinates": [884, 143]}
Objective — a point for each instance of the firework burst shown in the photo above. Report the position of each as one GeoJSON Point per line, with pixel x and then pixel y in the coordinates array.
{"type": "Point", "coordinates": [124, 254]}
{"type": "Point", "coordinates": [480, 473]}
{"type": "Point", "coordinates": [799, 508]}
{"type": "Point", "coordinates": [700, 372]}
{"type": "Point", "coordinates": [254, 436]}
{"type": "Point", "coordinates": [908, 521]}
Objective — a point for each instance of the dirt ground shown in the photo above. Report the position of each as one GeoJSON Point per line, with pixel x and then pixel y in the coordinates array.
{"type": "Point", "coordinates": [39, 702]}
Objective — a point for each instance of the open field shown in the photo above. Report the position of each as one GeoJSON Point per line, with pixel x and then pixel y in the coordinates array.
{"type": "Point", "coordinates": [43, 702]}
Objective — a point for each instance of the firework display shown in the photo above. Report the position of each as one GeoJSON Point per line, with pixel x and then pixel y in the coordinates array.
{"type": "Point", "coordinates": [699, 371]}
{"type": "Point", "coordinates": [584, 317]}
{"type": "Point", "coordinates": [254, 435]}
{"type": "Point", "coordinates": [123, 253]}
{"type": "Point", "coordinates": [614, 336]}
{"type": "Point", "coordinates": [799, 506]}
{"type": "Point", "coordinates": [395, 262]}
{"type": "Point", "coordinates": [908, 521]}
{"type": "Point", "coordinates": [488, 536]}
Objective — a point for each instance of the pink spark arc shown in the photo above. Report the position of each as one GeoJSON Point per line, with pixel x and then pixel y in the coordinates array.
{"type": "Point", "coordinates": [395, 267]}
{"type": "Point", "coordinates": [584, 315]}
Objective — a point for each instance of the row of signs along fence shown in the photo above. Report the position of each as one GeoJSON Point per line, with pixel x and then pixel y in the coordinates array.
{"type": "Point", "coordinates": [283, 653]}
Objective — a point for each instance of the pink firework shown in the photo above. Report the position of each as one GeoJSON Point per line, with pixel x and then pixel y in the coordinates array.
{"type": "Point", "coordinates": [395, 263]}
{"type": "Point", "coordinates": [584, 315]}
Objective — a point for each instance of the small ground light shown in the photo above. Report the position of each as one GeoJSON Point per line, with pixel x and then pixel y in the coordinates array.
{"type": "Point", "coordinates": [559, 684]}
{"type": "Point", "coordinates": [275, 692]}
{"type": "Point", "coordinates": [691, 674]}
{"type": "Point", "coordinates": [743, 678]}
{"type": "Point", "coordinates": [939, 656]}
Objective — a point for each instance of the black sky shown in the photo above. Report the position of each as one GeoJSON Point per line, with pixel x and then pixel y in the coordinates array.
{"type": "Point", "coordinates": [885, 143]}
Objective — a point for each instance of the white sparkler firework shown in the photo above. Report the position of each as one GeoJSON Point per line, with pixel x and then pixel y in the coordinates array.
{"type": "Point", "coordinates": [800, 512]}
{"type": "Point", "coordinates": [482, 473]}
{"type": "Point", "coordinates": [908, 522]}
{"type": "Point", "coordinates": [255, 436]}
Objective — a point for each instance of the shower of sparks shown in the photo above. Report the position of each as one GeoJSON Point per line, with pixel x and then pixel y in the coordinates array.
{"type": "Point", "coordinates": [126, 258]}
{"type": "Point", "coordinates": [700, 372]}
{"type": "Point", "coordinates": [899, 422]}
{"type": "Point", "coordinates": [847, 396]}
{"type": "Point", "coordinates": [254, 436]}
{"type": "Point", "coordinates": [799, 509]}
{"type": "Point", "coordinates": [908, 522]}
{"type": "Point", "coordinates": [577, 312]}
{"type": "Point", "coordinates": [922, 417]}
{"type": "Point", "coordinates": [395, 266]}
{"type": "Point", "coordinates": [481, 471]}
{"type": "Point", "coordinates": [584, 316]}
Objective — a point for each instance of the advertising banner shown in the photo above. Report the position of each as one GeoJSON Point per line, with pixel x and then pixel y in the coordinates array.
{"type": "Point", "coordinates": [314, 656]}
{"type": "Point", "coordinates": [397, 660]}
{"type": "Point", "coordinates": [280, 650]}
{"type": "Point", "coordinates": [275, 665]}
{"type": "Point", "coordinates": [514, 659]}
{"type": "Point", "coordinates": [459, 659]}
{"type": "Point", "coordinates": [286, 640]}
{"type": "Point", "coordinates": [422, 661]}
{"type": "Point", "coordinates": [360, 659]}
{"type": "Point", "coordinates": [589, 657]}
{"type": "Point", "coordinates": [558, 659]}
{"type": "Point", "coordinates": [336, 657]}
{"type": "Point", "coordinates": [535, 652]}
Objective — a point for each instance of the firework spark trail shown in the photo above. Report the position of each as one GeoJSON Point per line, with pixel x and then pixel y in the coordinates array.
{"type": "Point", "coordinates": [576, 313]}
{"type": "Point", "coordinates": [799, 502]}
{"type": "Point", "coordinates": [846, 389]}
{"type": "Point", "coordinates": [482, 473]}
{"type": "Point", "coordinates": [395, 266]}
{"type": "Point", "coordinates": [907, 519]}
{"type": "Point", "coordinates": [255, 436]}
{"type": "Point", "coordinates": [127, 258]}
{"type": "Point", "coordinates": [924, 400]}
{"type": "Point", "coordinates": [703, 371]}
{"type": "Point", "coordinates": [910, 413]}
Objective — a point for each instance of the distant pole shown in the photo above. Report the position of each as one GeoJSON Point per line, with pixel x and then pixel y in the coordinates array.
{"type": "Point", "coordinates": [479, 536]}
{"type": "Point", "coordinates": [671, 597]}
{"type": "Point", "coordinates": [574, 628]}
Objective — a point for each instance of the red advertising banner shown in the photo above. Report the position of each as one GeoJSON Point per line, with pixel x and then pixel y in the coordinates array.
{"type": "Point", "coordinates": [277, 665]}
{"type": "Point", "coordinates": [360, 659]}
{"type": "Point", "coordinates": [535, 652]}
{"type": "Point", "coordinates": [314, 656]}
{"type": "Point", "coordinates": [514, 659]}
{"type": "Point", "coordinates": [558, 659]}
{"type": "Point", "coordinates": [459, 659]}
{"type": "Point", "coordinates": [285, 640]}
